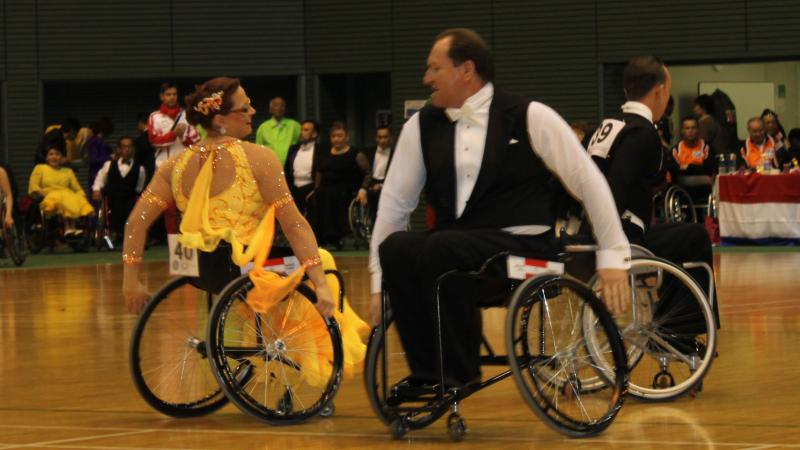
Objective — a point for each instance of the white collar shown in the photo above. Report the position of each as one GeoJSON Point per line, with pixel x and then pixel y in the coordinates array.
{"type": "Point", "coordinates": [307, 145]}
{"type": "Point", "coordinates": [477, 102]}
{"type": "Point", "coordinates": [381, 149]}
{"type": "Point", "coordinates": [640, 109]}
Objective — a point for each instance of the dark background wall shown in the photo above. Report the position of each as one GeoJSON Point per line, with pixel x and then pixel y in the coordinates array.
{"type": "Point", "coordinates": [92, 57]}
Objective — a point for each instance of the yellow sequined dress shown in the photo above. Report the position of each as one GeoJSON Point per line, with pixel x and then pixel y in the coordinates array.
{"type": "Point", "coordinates": [239, 216]}
{"type": "Point", "coordinates": [63, 194]}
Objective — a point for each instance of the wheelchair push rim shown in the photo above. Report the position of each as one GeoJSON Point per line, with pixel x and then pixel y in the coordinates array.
{"type": "Point", "coordinates": [669, 331]}
{"type": "Point", "coordinates": [548, 355]}
{"type": "Point", "coordinates": [294, 355]}
{"type": "Point", "coordinates": [167, 355]}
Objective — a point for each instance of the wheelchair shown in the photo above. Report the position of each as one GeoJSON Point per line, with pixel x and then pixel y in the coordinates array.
{"type": "Point", "coordinates": [547, 354]}
{"type": "Point", "coordinates": [46, 231]}
{"type": "Point", "coordinates": [192, 351]}
{"type": "Point", "coordinates": [102, 230]}
{"type": "Point", "coordinates": [669, 330]}
{"type": "Point", "coordinates": [360, 219]}
{"type": "Point", "coordinates": [688, 199]}
{"type": "Point", "coordinates": [12, 244]}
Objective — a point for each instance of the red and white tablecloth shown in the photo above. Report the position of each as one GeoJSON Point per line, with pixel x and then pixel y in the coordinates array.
{"type": "Point", "coordinates": [759, 206]}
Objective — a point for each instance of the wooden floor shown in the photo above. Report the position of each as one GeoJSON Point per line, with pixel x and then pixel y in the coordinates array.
{"type": "Point", "coordinates": [64, 380]}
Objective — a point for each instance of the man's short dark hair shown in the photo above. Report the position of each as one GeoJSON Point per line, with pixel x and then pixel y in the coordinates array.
{"type": "Point", "coordinates": [313, 124]}
{"type": "Point", "coordinates": [685, 118]}
{"type": "Point", "coordinates": [119, 141]}
{"type": "Point", "coordinates": [167, 85]}
{"type": "Point", "coordinates": [642, 74]}
{"type": "Point", "coordinates": [467, 45]}
{"type": "Point", "coordinates": [794, 134]}
{"type": "Point", "coordinates": [706, 102]}
{"type": "Point", "coordinates": [384, 127]}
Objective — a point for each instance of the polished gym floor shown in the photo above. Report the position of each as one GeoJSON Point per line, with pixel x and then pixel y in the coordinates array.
{"type": "Point", "coordinates": [65, 382]}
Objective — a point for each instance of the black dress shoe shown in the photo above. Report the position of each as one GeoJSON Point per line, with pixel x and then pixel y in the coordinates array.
{"type": "Point", "coordinates": [410, 389]}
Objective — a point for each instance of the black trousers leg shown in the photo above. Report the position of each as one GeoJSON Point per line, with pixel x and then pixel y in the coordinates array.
{"type": "Point", "coordinates": [684, 242]}
{"type": "Point", "coordinates": [412, 262]}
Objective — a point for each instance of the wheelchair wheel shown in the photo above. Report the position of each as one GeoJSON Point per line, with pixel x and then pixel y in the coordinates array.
{"type": "Point", "coordinates": [102, 235]}
{"type": "Point", "coordinates": [384, 366]}
{"type": "Point", "coordinates": [669, 331]}
{"type": "Point", "coordinates": [549, 356]}
{"type": "Point", "coordinates": [294, 353]}
{"type": "Point", "coordinates": [360, 221]}
{"type": "Point", "coordinates": [14, 240]}
{"type": "Point", "coordinates": [168, 357]}
{"type": "Point", "coordinates": [36, 234]}
{"type": "Point", "coordinates": [678, 206]}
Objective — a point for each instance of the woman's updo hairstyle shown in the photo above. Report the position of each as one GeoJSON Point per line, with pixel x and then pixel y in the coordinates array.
{"type": "Point", "coordinates": [209, 99]}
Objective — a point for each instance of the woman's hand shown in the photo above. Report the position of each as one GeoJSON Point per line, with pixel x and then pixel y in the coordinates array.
{"type": "Point", "coordinates": [9, 221]}
{"type": "Point", "coordinates": [136, 296]}
{"type": "Point", "coordinates": [325, 304]}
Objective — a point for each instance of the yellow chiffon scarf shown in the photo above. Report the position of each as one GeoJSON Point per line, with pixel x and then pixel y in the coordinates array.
{"type": "Point", "coordinates": [197, 232]}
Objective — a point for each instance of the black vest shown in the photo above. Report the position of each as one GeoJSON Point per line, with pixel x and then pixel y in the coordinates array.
{"type": "Point", "coordinates": [117, 186]}
{"type": "Point", "coordinates": [513, 186]}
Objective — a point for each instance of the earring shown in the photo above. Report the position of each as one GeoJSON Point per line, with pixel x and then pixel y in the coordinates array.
{"type": "Point", "coordinates": [222, 131]}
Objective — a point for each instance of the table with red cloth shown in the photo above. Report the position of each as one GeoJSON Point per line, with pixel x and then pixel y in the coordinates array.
{"type": "Point", "coordinates": [757, 206]}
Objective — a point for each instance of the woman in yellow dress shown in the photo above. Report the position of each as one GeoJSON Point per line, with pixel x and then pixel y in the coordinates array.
{"type": "Point", "coordinates": [231, 191]}
{"type": "Point", "coordinates": [59, 190]}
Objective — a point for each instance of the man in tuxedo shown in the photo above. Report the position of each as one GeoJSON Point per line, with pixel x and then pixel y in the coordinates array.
{"type": "Point", "coordinates": [300, 166]}
{"type": "Point", "coordinates": [379, 158]}
{"type": "Point", "coordinates": [486, 159]}
{"type": "Point", "coordinates": [122, 179]}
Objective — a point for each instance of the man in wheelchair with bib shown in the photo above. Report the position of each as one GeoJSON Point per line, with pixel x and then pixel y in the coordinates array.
{"type": "Point", "coordinates": [486, 159]}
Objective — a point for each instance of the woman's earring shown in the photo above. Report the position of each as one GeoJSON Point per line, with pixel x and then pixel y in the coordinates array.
{"type": "Point", "coordinates": [222, 131]}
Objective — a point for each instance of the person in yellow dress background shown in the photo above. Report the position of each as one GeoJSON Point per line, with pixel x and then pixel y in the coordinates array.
{"type": "Point", "coordinates": [59, 190]}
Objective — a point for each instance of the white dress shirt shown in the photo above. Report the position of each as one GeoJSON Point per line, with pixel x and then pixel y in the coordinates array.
{"type": "Point", "coordinates": [102, 176]}
{"type": "Point", "coordinates": [303, 161]}
{"type": "Point", "coordinates": [380, 163]}
{"type": "Point", "coordinates": [551, 139]}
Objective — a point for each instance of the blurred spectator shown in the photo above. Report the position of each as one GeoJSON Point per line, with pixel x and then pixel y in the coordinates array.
{"type": "Point", "coordinates": [279, 132]}
{"type": "Point", "coordinates": [379, 158]}
{"type": "Point", "coordinates": [758, 149]}
{"type": "Point", "coordinates": [122, 180]}
{"type": "Point", "coordinates": [75, 138]}
{"type": "Point", "coordinates": [8, 189]}
{"type": "Point", "coordinates": [145, 152]}
{"type": "Point", "coordinates": [583, 131]}
{"type": "Point", "coordinates": [59, 190]}
{"type": "Point", "coordinates": [774, 129]}
{"type": "Point", "coordinates": [301, 164]}
{"type": "Point", "coordinates": [97, 149]}
{"type": "Point", "coordinates": [167, 127]}
{"type": "Point", "coordinates": [790, 155]}
{"type": "Point", "coordinates": [708, 128]}
{"type": "Point", "coordinates": [691, 154]}
{"type": "Point", "coordinates": [340, 172]}
{"type": "Point", "coordinates": [170, 134]}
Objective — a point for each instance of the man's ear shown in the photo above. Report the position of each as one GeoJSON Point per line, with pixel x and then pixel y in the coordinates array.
{"type": "Point", "coordinates": [468, 68]}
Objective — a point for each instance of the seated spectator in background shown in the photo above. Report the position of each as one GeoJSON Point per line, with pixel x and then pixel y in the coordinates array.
{"type": "Point", "coordinates": [340, 172]}
{"type": "Point", "coordinates": [790, 155]}
{"type": "Point", "coordinates": [97, 149]}
{"type": "Point", "coordinates": [59, 190]}
{"type": "Point", "coordinates": [145, 155]}
{"type": "Point", "coordinates": [279, 132]}
{"type": "Point", "coordinates": [379, 158]}
{"type": "Point", "coordinates": [774, 129]}
{"type": "Point", "coordinates": [708, 128]}
{"type": "Point", "coordinates": [758, 149]}
{"type": "Point", "coordinates": [75, 138]}
{"type": "Point", "coordinates": [301, 165]}
{"type": "Point", "coordinates": [583, 131]}
{"type": "Point", "coordinates": [123, 180]}
{"type": "Point", "coordinates": [691, 154]}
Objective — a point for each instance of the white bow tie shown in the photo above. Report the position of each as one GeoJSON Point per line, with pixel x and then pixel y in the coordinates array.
{"type": "Point", "coordinates": [456, 114]}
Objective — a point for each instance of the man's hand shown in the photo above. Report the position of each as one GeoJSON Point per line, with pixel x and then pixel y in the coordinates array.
{"type": "Point", "coordinates": [612, 287]}
{"type": "Point", "coordinates": [362, 196]}
{"type": "Point", "coordinates": [180, 129]}
{"type": "Point", "coordinates": [376, 187]}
